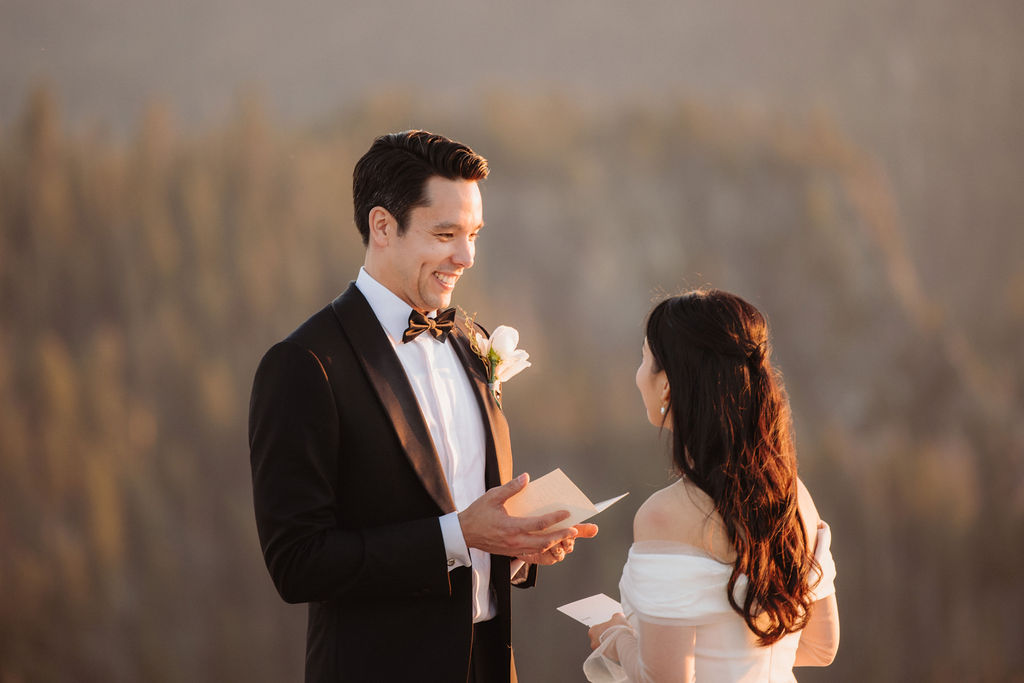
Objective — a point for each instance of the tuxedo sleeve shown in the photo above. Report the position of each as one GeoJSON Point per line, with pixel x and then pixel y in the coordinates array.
{"type": "Point", "coordinates": [294, 441]}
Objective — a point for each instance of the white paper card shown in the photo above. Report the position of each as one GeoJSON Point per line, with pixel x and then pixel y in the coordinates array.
{"type": "Point", "coordinates": [599, 507]}
{"type": "Point", "coordinates": [552, 492]}
{"type": "Point", "coordinates": [591, 611]}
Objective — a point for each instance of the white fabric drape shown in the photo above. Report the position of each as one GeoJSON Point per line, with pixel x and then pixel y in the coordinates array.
{"type": "Point", "coordinates": [682, 628]}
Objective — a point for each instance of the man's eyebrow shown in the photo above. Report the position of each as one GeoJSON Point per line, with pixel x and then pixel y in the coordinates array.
{"type": "Point", "coordinates": [450, 226]}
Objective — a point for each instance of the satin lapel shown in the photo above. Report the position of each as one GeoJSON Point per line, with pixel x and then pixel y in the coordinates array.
{"type": "Point", "coordinates": [390, 382]}
{"type": "Point", "coordinates": [499, 446]}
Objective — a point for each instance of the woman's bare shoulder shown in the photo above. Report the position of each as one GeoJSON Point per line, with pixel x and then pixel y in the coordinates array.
{"type": "Point", "coordinates": [658, 515]}
{"type": "Point", "coordinates": [682, 513]}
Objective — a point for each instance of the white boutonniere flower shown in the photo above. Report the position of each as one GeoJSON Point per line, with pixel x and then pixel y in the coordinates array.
{"type": "Point", "coordinates": [500, 355]}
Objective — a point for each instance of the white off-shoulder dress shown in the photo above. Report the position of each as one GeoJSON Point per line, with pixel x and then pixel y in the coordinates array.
{"type": "Point", "coordinates": [674, 597]}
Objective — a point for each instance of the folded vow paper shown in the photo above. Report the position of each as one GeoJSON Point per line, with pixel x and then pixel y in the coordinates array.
{"type": "Point", "coordinates": [552, 492]}
{"type": "Point", "coordinates": [596, 609]}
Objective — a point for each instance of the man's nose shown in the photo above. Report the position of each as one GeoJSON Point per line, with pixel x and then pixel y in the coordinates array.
{"type": "Point", "coordinates": [465, 250]}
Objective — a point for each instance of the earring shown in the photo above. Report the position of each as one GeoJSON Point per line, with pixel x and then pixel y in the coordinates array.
{"type": "Point", "coordinates": [663, 410]}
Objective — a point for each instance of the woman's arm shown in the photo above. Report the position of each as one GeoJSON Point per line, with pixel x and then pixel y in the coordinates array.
{"type": "Point", "coordinates": [656, 653]}
{"type": "Point", "coordinates": [819, 640]}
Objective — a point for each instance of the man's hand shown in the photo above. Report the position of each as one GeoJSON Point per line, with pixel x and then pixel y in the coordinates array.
{"type": "Point", "coordinates": [559, 551]}
{"type": "Point", "coordinates": [487, 526]}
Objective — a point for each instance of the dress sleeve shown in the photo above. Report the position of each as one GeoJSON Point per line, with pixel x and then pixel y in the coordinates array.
{"type": "Point", "coordinates": [825, 585]}
{"type": "Point", "coordinates": [819, 640]}
{"type": "Point", "coordinates": [653, 652]}
{"type": "Point", "coordinates": [665, 597]}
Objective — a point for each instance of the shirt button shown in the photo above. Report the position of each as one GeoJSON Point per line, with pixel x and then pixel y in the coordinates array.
{"type": "Point", "coordinates": [451, 562]}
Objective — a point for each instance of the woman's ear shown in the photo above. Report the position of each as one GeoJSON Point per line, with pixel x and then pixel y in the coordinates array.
{"type": "Point", "coordinates": [666, 392]}
{"type": "Point", "coordinates": [383, 226]}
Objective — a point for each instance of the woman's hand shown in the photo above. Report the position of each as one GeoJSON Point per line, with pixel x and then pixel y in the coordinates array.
{"type": "Point", "coordinates": [596, 632]}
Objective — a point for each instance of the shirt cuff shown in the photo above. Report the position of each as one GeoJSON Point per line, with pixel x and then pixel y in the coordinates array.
{"type": "Point", "coordinates": [519, 571]}
{"type": "Point", "coordinates": [454, 543]}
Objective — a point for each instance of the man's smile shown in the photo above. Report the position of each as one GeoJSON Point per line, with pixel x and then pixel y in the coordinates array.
{"type": "Point", "coordinates": [447, 280]}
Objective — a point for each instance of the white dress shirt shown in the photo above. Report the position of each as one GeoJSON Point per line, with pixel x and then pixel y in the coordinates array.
{"type": "Point", "coordinates": [450, 410]}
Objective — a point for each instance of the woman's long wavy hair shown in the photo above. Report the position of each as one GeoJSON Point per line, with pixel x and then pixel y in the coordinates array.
{"type": "Point", "coordinates": [732, 437]}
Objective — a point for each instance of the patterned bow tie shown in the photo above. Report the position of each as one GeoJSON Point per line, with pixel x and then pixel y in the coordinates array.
{"type": "Point", "coordinates": [440, 327]}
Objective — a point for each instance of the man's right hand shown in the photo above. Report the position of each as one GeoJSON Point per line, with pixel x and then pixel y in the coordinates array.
{"type": "Point", "coordinates": [487, 526]}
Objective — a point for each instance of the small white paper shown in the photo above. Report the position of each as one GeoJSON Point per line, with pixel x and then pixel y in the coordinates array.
{"type": "Point", "coordinates": [591, 611]}
{"type": "Point", "coordinates": [552, 492]}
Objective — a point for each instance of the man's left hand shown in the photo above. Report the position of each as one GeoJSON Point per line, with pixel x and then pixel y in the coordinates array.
{"type": "Point", "coordinates": [560, 551]}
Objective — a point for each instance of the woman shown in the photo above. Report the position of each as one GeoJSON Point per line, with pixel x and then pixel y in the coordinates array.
{"type": "Point", "coordinates": [730, 577]}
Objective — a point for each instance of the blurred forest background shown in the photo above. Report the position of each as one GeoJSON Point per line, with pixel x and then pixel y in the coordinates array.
{"type": "Point", "coordinates": [150, 253]}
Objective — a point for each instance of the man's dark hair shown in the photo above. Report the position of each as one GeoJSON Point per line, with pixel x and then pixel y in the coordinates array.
{"type": "Point", "coordinates": [393, 174]}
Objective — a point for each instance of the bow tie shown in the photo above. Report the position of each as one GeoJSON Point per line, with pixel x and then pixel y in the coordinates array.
{"type": "Point", "coordinates": [439, 327]}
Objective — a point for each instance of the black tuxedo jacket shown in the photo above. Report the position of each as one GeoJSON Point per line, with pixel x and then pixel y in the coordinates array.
{"type": "Point", "coordinates": [348, 488]}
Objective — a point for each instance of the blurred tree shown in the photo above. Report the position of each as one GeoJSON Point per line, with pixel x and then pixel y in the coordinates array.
{"type": "Point", "coordinates": [141, 280]}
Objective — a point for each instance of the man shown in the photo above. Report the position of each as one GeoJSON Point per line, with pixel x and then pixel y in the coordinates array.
{"type": "Point", "coordinates": [381, 460]}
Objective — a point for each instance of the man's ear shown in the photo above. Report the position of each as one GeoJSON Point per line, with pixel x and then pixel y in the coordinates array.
{"type": "Point", "coordinates": [383, 226]}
